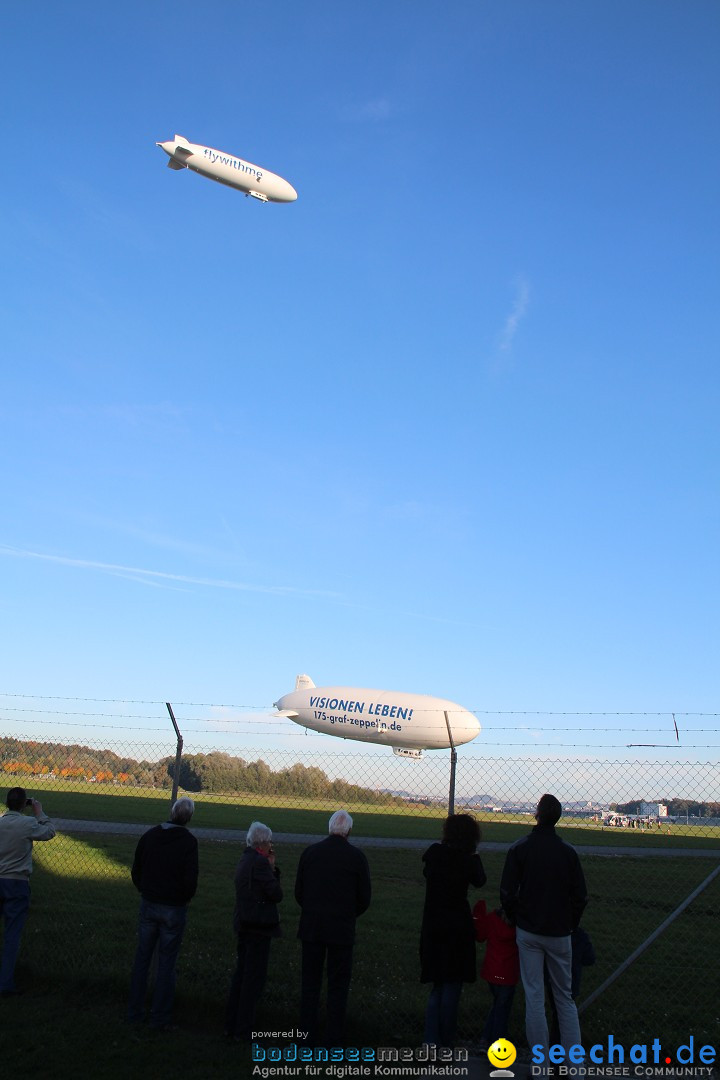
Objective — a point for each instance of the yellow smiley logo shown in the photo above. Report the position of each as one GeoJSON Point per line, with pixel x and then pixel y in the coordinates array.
{"type": "Point", "coordinates": [502, 1053]}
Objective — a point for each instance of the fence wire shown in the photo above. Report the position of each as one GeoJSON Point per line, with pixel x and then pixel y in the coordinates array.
{"type": "Point", "coordinates": [648, 833]}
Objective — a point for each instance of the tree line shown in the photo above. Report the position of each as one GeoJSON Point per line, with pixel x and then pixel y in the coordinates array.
{"type": "Point", "coordinates": [216, 772]}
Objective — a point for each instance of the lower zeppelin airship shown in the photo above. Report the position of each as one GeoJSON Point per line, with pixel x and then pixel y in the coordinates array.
{"type": "Point", "coordinates": [227, 169]}
{"type": "Point", "coordinates": [409, 723]}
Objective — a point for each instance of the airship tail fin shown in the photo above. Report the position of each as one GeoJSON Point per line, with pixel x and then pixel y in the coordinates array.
{"type": "Point", "coordinates": [173, 164]}
{"type": "Point", "coordinates": [304, 682]}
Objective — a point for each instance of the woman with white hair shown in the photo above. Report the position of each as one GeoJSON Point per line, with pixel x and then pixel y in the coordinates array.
{"type": "Point", "coordinates": [256, 922]}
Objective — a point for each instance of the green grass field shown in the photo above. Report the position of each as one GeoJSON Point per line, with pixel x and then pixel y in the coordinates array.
{"type": "Point", "coordinates": [106, 802]}
{"type": "Point", "coordinates": [79, 943]}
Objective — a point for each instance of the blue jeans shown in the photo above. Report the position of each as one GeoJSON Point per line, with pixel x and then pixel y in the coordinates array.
{"type": "Point", "coordinates": [535, 951]}
{"type": "Point", "coordinates": [162, 925]}
{"type": "Point", "coordinates": [496, 1025]}
{"type": "Point", "coordinates": [441, 1013]}
{"type": "Point", "coordinates": [14, 906]}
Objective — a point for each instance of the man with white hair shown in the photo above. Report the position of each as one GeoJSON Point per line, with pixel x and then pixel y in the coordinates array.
{"type": "Point", "coordinates": [165, 872]}
{"type": "Point", "coordinates": [332, 888]}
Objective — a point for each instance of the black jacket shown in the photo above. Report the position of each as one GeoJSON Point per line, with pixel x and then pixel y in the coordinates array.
{"type": "Point", "coordinates": [256, 879]}
{"type": "Point", "coordinates": [447, 935]}
{"type": "Point", "coordinates": [332, 887]}
{"type": "Point", "coordinates": [543, 886]}
{"type": "Point", "coordinates": [165, 867]}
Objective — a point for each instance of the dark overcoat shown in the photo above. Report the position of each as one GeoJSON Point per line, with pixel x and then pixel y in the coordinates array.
{"type": "Point", "coordinates": [332, 888]}
{"type": "Point", "coordinates": [256, 879]}
{"type": "Point", "coordinates": [447, 936]}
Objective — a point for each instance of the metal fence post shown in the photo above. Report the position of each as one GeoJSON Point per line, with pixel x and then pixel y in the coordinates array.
{"type": "Point", "coordinates": [453, 764]}
{"type": "Point", "coordinates": [648, 941]}
{"type": "Point", "coordinates": [178, 754]}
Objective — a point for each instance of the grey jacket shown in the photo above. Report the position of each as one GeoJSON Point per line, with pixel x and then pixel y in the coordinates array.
{"type": "Point", "coordinates": [17, 833]}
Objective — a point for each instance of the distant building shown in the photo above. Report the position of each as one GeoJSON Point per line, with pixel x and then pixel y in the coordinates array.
{"type": "Point", "coordinates": [648, 809]}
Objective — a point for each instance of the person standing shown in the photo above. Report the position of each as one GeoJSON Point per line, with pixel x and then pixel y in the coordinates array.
{"type": "Point", "coordinates": [165, 872]}
{"type": "Point", "coordinates": [500, 970]}
{"type": "Point", "coordinates": [333, 888]}
{"type": "Point", "coordinates": [543, 891]}
{"type": "Point", "coordinates": [17, 834]}
{"type": "Point", "coordinates": [583, 955]}
{"type": "Point", "coordinates": [256, 922]}
{"type": "Point", "coordinates": [447, 934]}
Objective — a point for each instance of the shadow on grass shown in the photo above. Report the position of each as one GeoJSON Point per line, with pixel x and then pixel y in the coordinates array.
{"type": "Point", "coordinates": [79, 944]}
{"type": "Point", "coordinates": [310, 817]}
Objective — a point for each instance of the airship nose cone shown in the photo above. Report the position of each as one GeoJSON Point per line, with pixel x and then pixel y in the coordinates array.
{"type": "Point", "coordinates": [466, 727]}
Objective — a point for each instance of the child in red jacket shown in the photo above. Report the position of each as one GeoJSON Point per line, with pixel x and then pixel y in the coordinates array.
{"type": "Point", "coordinates": [501, 968]}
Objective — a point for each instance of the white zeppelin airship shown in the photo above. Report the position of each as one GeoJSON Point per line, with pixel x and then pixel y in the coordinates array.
{"type": "Point", "coordinates": [410, 723]}
{"type": "Point", "coordinates": [226, 169]}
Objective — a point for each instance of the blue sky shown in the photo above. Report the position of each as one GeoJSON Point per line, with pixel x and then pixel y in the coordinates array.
{"type": "Point", "coordinates": [449, 423]}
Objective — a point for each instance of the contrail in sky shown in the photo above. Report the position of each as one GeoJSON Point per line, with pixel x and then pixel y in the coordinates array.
{"type": "Point", "coordinates": [514, 318]}
{"type": "Point", "coordinates": [153, 575]}
{"type": "Point", "coordinates": [162, 579]}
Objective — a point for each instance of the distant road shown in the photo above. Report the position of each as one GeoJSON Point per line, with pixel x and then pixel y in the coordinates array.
{"type": "Point", "coordinates": [237, 836]}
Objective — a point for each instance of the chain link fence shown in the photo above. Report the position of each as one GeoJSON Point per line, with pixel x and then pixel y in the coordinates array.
{"type": "Point", "coordinates": [648, 833]}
